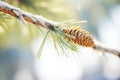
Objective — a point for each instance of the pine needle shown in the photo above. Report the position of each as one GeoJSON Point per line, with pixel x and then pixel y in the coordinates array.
{"type": "Point", "coordinates": [42, 45]}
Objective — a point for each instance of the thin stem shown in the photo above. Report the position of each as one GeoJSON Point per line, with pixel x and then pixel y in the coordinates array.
{"type": "Point", "coordinates": [106, 49]}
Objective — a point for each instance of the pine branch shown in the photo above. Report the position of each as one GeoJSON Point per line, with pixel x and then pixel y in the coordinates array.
{"type": "Point", "coordinates": [41, 21]}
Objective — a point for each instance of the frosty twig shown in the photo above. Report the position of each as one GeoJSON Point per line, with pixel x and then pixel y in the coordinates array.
{"type": "Point", "coordinates": [106, 49]}
{"type": "Point", "coordinates": [22, 15]}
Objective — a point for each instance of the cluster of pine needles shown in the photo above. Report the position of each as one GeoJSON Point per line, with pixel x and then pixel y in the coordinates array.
{"type": "Point", "coordinates": [67, 36]}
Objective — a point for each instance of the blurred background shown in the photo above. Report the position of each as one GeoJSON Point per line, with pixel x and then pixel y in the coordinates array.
{"type": "Point", "coordinates": [20, 43]}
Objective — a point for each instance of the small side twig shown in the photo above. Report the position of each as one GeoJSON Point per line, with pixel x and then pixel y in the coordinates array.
{"type": "Point", "coordinates": [106, 50]}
